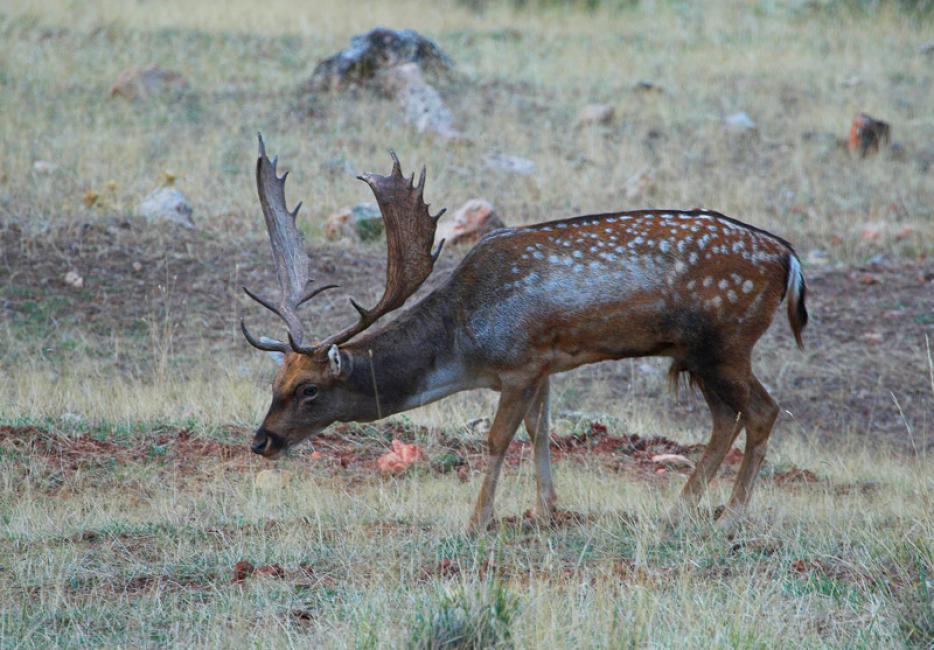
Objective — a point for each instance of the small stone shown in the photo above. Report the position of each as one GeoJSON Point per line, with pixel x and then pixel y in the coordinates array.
{"type": "Point", "coordinates": [507, 163]}
{"type": "Point", "coordinates": [739, 123]}
{"type": "Point", "coordinates": [872, 232]}
{"type": "Point", "coordinates": [595, 114]}
{"type": "Point", "coordinates": [818, 257]}
{"type": "Point", "coordinates": [44, 167]}
{"type": "Point", "coordinates": [166, 204]}
{"type": "Point", "coordinates": [648, 87]}
{"type": "Point", "coordinates": [73, 279]}
{"type": "Point", "coordinates": [362, 222]}
{"type": "Point", "coordinates": [141, 83]}
{"type": "Point", "coordinates": [272, 479]}
{"type": "Point", "coordinates": [473, 220]}
{"type": "Point", "coordinates": [676, 461]}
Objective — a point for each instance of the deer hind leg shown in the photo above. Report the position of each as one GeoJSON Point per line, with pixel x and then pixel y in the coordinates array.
{"type": "Point", "coordinates": [726, 396]}
{"type": "Point", "coordinates": [760, 417]}
{"type": "Point", "coordinates": [537, 423]}
{"type": "Point", "coordinates": [513, 405]}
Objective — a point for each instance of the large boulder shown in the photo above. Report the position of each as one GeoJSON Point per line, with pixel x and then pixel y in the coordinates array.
{"type": "Point", "coordinates": [375, 51]}
{"type": "Point", "coordinates": [421, 104]}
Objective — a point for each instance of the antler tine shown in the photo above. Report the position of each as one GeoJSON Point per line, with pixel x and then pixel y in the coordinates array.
{"type": "Point", "coordinates": [410, 234]}
{"type": "Point", "coordinates": [267, 345]}
{"type": "Point", "coordinates": [288, 252]}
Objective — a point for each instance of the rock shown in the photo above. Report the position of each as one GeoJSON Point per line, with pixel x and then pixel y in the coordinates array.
{"type": "Point", "coordinates": [272, 479]}
{"type": "Point", "coordinates": [648, 87]}
{"type": "Point", "coordinates": [44, 167]}
{"type": "Point", "coordinates": [872, 232]}
{"type": "Point", "coordinates": [472, 221]}
{"type": "Point", "coordinates": [739, 123]}
{"type": "Point", "coordinates": [73, 279]}
{"type": "Point", "coordinates": [362, 222]}
{"type": "Point", "coordinates": [506, 163]}
{"type": "Point", "coordinates": [595, 114]}
{"type": "Point", "coordinates": [141, 83]}
{"type": "Point", "coordinates": [422, 106]}
{"type": "Point", "coordinates": [375, 51]}
{"type": "Point", "coordinates": [867, 135]}
{"type": "Point", "coordinates": [166, 203]}
{"type": "Point", "coordinates": [673, 460]}
{"type": "Point", "coordinates": [818, 257]}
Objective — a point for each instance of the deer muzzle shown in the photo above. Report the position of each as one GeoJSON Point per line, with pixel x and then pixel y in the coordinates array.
{"type": "Point", "coordinates": [266, 443]}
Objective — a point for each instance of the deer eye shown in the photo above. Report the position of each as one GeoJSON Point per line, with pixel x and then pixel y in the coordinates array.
{"type": "Point", "coordinates": [309, 391]}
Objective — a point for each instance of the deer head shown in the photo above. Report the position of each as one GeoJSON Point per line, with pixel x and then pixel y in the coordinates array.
{"type": "Point", "coordinates": [311, 388]}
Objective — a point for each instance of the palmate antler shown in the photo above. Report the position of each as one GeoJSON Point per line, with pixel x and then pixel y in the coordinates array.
{"type": "Point", "coordinates": [410, 232]}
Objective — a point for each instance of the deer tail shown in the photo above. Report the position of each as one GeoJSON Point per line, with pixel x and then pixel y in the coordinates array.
{"type": "Point", "coordinates": [796, 292]}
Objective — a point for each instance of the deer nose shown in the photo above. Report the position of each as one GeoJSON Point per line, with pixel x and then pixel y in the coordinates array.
{"type": "Point", "coordinates": [266, 442]}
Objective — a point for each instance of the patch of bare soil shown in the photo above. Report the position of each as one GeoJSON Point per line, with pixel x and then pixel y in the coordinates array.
{"type": "Point", "coordinates": [865, 342]}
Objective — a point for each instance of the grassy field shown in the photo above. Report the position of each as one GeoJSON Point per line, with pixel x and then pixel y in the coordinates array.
{"type": "Point", "coordinates": [127, 494]}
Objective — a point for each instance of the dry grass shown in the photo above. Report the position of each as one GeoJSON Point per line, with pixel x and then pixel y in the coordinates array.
{"type": "Point", "coordinates": [141, 553]}
{"type": "Point", "coordinates": [523, 77]}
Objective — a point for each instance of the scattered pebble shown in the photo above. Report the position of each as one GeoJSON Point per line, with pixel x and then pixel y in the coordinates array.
{"type": "Point", "coordinates": [44, 167]}
{"type": "Point", "coordinates": [73, 279]}
{"type": "Point", "coordinates": [595, 114]}
{"type": "Point", "coordinates": [739, 123]}
{"type": "Point", "coordinates": [506, 163]}
{"type": "Point", "coordinates": [272, 479]}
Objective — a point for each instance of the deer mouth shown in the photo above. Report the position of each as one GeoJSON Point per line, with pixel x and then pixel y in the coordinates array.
{"type": "Point", "coordinates": [268, 444]}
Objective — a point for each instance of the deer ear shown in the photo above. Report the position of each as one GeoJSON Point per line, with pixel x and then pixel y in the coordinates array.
{"type": "Point", "coordinates": [335, 361]}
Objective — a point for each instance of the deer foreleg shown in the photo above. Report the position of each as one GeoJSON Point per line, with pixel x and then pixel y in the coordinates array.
{"type": "Point", "coordinates": [513, 405]}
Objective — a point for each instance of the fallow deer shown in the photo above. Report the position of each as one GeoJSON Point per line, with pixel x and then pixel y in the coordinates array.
{"type": "Point", "coordinates": [529, 302]}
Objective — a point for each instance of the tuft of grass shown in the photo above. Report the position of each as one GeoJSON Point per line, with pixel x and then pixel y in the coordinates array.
{"type": "Point", "coordinates": [469, 617]}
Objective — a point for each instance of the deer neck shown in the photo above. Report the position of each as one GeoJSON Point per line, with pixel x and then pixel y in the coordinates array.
{"type": "Point", "coordinates": [410, 362]}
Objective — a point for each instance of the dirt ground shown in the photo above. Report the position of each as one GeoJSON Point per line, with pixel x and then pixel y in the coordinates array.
{"type": "Point", "coordinates": [865, 369]}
